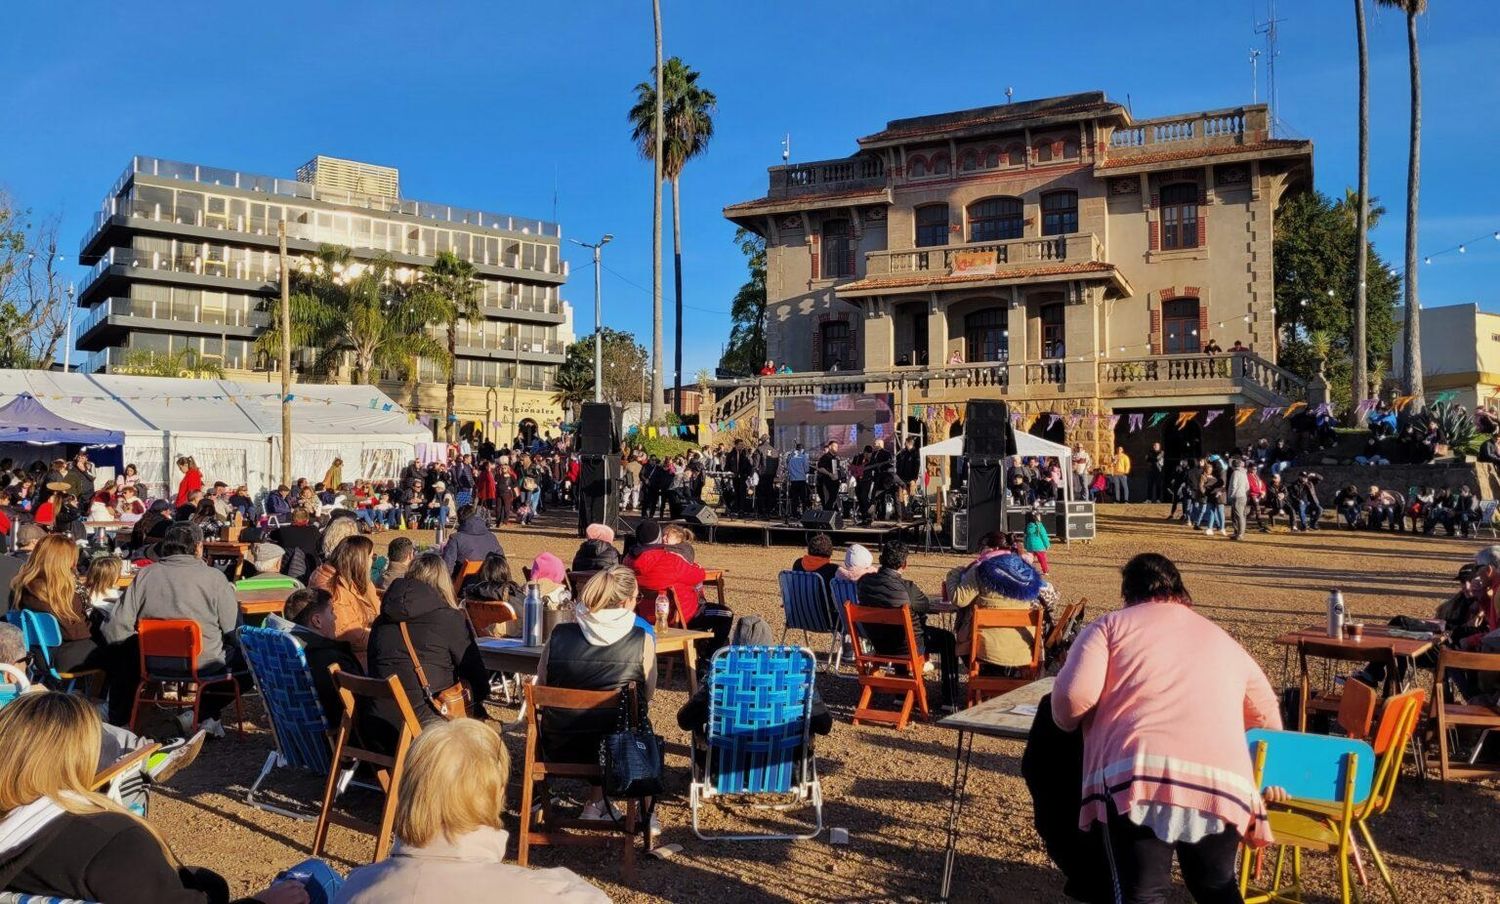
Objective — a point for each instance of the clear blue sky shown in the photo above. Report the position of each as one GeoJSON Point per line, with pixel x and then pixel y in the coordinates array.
{"type": "Point", "coordinates": [490, 104]}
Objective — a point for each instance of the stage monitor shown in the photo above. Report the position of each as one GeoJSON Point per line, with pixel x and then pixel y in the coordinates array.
{"type": "Point", "coordinates": [854, 419]}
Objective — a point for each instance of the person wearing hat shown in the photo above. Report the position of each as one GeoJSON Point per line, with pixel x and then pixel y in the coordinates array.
{"type": "Point", "coordinates": [551, 577]}
{"type": "Point", "coordinates": [265, 557]}
{"type": "Point", "coordinates": [858, 562]}
{"type": "Point", "coordinates": [597, 552]}
{"type": "Point", "coordinates": [1004, 581]}
{"type": "Point", "coordinates": [440, 506]}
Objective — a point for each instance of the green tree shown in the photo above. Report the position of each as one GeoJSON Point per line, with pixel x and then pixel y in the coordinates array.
{"type": "Point", "coordinates": [184, 362]}
{"type": "Point", "coordinates": [571, 388]}
{"type": "Point", "coordinates": [1412, 336]}
{"type": "Point", "coordinates": [747, 337]}
{"type": "Point", "coordinates": [450, 280]}
{"type": "Point", "coordinates": [687, 125]}
{"type": "Point", "coordinates": [1315, 265]}
{"type": "Point", "coordinates": [34, 305]}
{"type": "Point", "coordinates": [623, 358]}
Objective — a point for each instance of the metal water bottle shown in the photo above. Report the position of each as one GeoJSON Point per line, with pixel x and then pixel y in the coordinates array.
{"type": "Point", "coordinates": [531, 616]}
{"type": "Point", "coordinates": [1336, 614]}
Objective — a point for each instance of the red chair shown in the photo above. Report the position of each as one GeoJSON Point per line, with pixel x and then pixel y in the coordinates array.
{"type": "Point", "coordinates": [890, 673]}
{"type": "Point", "coordinates": [169, 662]}
{"type": "Point", "coordinates": [463, 570]}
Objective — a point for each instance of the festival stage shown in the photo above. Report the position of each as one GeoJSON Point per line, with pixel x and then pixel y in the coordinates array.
{"type": "Point", "coordinates": [772, 532]}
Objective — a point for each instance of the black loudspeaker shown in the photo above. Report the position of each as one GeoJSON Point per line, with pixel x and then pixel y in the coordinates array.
{"type": "Point", "coordinates": [986, 485]}
{"type": "Point", "coordinates": [598, 491]}
{"type": "Point", "coordinates": [599, 429]}
{"type": "Point", "coordinates": [700, 514]}
{"type": "Point", "coordinates": [822, 519]}
{"type": "Point", "coordinates": [988, 432]}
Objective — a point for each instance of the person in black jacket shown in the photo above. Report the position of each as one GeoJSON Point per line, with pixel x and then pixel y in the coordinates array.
{"type": "Point", "coordinates": [889, 587]}
{"type": "Point", "coordinates": [424, 604]}
{"type": "Point", "coordinates": [1156, 474]}
{"type": "Point", "coordinates": [472, 541]}
{"type": "Point", "coordinates": [311, 611]}
{"type": "Point", "coordinates": [71, 842]}
{"type": "Point", "coordinates": [598, 551]}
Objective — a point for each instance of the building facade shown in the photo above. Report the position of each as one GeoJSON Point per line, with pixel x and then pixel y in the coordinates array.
{"type": "Point", "coordinates": [185, 257]}
{"type": "Point", "coordinates": [1058, 253]}
{"type": "Point", "coordinates": [1460, 352]}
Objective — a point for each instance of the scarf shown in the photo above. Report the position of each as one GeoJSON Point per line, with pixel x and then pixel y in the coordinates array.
{"type": "Point", "coordinates": [604, 627]}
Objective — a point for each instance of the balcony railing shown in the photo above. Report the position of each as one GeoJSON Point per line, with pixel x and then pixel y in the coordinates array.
{"type": "Point", "coordinates": [236, 315]}
{"type": "Point", "coordinates": [259, 267]}
{"type": "Point", "coordinates": [1213, 128]}
{"type": "Point", "coordinates": [1232, 369]}
{"type": "Point", "coordinates": [1077, 247]}
{"type": "Point", "coordinates": [846, 174]}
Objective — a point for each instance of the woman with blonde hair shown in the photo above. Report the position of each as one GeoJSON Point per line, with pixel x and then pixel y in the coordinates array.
{"type": "Point", "coordinates": [48, 582]}
{"type": "Point", "coordinates": [333, 478]}
{"type": "Point", "coordinates": [420, 623]}
{"type": "Point", "coordinates": [602, 649]}
{"type": "Point", "coordinates": [346, 577]}
{"type": "Point", "coordinates": [59, 838]}
{"type": "Point", "coordinates": [450, 841]}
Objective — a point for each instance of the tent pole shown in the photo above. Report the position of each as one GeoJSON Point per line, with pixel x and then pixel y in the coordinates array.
{"type": "Point", "coordinates": [286, 358]}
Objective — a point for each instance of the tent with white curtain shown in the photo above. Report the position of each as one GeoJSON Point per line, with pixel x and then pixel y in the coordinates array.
{"type": "Point", "coordinates": [231, 429]}
{"type": "Point", "coordinates": [1027, 446]}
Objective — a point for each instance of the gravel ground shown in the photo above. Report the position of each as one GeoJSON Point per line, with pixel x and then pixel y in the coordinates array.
{"type": "Point", "coordinates": [890, 789]}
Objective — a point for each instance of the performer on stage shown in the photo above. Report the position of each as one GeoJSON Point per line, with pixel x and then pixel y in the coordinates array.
{"type": "Point", "coordinates": [767, 465]}
{"type": "Point", "coordinates": [830, 474]}
{"type": "Point", "coordinates": [740, 465]}
{"type": "Point", "coordinates": [796, 468]}
{"type": "Point", "coordinates": [881, 474]}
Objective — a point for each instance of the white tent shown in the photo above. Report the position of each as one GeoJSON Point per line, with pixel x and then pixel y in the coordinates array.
{"type": "Point", "coordinates": [1027, 446]}
{"type": "Point", "coordinates": [232, 430]}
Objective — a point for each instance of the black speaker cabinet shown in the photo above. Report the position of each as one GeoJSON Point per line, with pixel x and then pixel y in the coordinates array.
{"type": "Point", "coordinates": [699, 514]}
{"type": "Point", "coordinates": [599, 429]}
{"type": "Point", "coordinates": [985, 488]}
{"type": "Point", "coordinates": [822, 519]}
{"type": "Point", "coordinates": [988, 432]}
{"type": "Point", "coordinates": [598, 491]}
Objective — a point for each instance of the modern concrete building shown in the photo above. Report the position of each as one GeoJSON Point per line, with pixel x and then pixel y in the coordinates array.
{"type": "Point", "coordinates": [185, 257]}
{"type": "Point", "coordinates": [1058, 253]}
{"type": "Point", "coordinates": [1460, 351]}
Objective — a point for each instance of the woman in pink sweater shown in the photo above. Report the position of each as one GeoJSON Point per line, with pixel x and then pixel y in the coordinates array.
{"type": "Point", "coordinates": [1165, 697]}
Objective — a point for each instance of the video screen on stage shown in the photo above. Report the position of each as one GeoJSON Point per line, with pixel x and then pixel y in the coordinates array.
{"type": "Point", "coordinates": [856, 420]}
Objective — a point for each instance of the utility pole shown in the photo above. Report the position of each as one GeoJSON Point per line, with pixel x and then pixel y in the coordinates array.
{"type": "Point", "coordinates": [598, 323]}
{"type": "Point", "coordinates": [286, 358]}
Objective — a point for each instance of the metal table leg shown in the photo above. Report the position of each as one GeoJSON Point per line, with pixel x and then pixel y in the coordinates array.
{"type": "Point", "coordinates": [961, 756]}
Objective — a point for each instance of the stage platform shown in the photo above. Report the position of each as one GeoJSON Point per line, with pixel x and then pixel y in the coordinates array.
{"type": "Point", "coordinates": [771, 532]}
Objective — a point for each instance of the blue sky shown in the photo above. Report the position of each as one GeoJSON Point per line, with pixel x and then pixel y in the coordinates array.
{"type": "Point", "coordinates": [505, 106]}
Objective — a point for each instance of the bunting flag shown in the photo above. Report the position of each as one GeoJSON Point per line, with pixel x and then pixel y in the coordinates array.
{"type": "Point", "coordinates": [1364, 407]}
{"type": "Point", "coordinates": [1015, 417]}
{"type": "Point", "coordinates": [1210, 415]}
{"type": "Point", "coordinates": [1267, 413]}
{"type": "Point", "coordinates": [1244, 415]}
{"type": "Point", "coordinates": [1157, 418]}
{"type": "Point", "coordinates": [1292, 409]}
{"type": "Point", "coordinates": [1072, 421]}
{"type": "Point", "coordinates": [1052, 420]}
{"type": "Point", "coordinates": [1135, 422]}
{"type": "Point", "coordinates": [1183, 418]}
{"type": "Point", "coordinates": [1445, 396]}
{"type": "Point", "coordinates": [651, 432]}
{"type": "Point", "coordinates": [1113, 420]}
{"type": "Point", "coordinates": [1325, 410]}
{"type": "Point", "coordinates": [1403, 401]}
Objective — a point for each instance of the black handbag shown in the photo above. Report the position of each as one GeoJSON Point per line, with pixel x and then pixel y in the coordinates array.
{"type": "Point", "coordinates": [632, 757]}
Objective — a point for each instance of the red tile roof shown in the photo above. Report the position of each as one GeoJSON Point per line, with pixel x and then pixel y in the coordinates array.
{"type": "Point", "coordinates": [872, 193]}
{"type": "Point", "coordinates": [1003, 114]}
{"type": "Point", "coordinates": [1193, 152]}
{"type": "Point", "coordinates": [918, 279]}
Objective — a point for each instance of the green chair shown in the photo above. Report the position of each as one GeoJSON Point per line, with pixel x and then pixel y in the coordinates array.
{"type": "Point", "coordinates": [268, 582]}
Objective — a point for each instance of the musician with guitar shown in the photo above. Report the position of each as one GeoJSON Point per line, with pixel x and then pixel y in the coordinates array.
{"type": "Point", "coordinates": [740, 464]}
{"type": "Point", "coordinates": [830, 471]}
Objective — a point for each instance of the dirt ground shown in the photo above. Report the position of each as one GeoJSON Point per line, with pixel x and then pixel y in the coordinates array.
{"type": "Point", "coordinates": [890, 790]}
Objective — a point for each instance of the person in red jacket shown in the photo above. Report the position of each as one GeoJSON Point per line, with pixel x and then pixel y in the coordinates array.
{"type": "Point", "coordinates": [192, 479]}
{"type": "Point", "coordinates": [485, 488]}
{"type": "Point", "coordinates": [657, 569]}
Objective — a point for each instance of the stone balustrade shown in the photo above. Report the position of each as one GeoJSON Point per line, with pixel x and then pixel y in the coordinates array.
{"type": "Point", "coordinates": [1072, 248]}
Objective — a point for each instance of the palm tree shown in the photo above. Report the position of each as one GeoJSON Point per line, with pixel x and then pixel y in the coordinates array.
{"type": "Point", "coordinates": [185, 362]}
{"type": "Point", "coordinates": [1359, 380]}
{"type": "Point", "coordinates": [1412, 335]}
{"type": "Point", "coordinates": [572, 387]}
{"type": "Point", "coordinates": [451, 280]}
{"type": "Point", "coordinates": [687, 115]}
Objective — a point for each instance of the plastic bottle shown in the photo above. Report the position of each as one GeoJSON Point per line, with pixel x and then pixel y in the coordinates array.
{"type": "Point", "coordinates": [1336, 614]}
{"type": "Point", "coordinates": [663, 609]}
{"type": "Point", "coordinates": [531, 615]}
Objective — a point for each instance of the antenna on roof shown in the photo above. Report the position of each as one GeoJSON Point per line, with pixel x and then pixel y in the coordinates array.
{"type": "Point", "coordinates": [1009, 93]}
{"type": "Point", "coordinates": [1268, 28]}
{"type": "Point", "coordinates": [1127, 105]}
{"type": "Point", "coordinates": [1254, 79]}
{"type": "Point", "coordinates": [786, 148]}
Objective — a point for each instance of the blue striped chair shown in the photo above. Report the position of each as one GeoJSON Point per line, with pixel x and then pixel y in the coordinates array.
{"type": "Point", "coordinates": [12, 897]}
{"type": "Point", "coordinates": [805, 601]}
{"type": "Point", "coordinates": [759, 741]}
{"type": "Point", "coordinates": [297, 719]}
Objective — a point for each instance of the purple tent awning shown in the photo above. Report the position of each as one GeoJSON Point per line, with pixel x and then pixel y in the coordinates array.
{"type": "Point", "coordinates": [24, 420]}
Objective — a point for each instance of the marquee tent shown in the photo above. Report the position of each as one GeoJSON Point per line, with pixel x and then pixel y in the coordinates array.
{"type": "Point", "coordinates": [232, 430]}
{"type": "Point", "coordinates": [1027, 446]}
{"type": "Point", "coordinates": [25, 420]}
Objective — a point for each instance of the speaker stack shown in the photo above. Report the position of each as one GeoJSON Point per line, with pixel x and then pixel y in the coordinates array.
{"type": "Point", "coordinates": [822, 519]}
{"type": "Point", "coordinates": [989, 440]}
{"type": "Point", "coordinates": [599, 467]}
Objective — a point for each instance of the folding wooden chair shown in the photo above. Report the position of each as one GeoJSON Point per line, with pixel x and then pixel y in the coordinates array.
{"type": "Point", "coordinates": [1448, 717]}
{"type": "Point", "coordinates": [809, 609]}
{"type": "Point", "coordinates": [486, 615]}
{"type": "Point", "coordinates": [535, 779]}
{"type": "Point", "coordinates": [169, 670]}
{"type": "Point", "coordinates": [1057, 638]}
{"type": "Point", "coordinates": [1327, 700]}
{"type": "Point", "coordinates": [1028, 620]}
{"type": "Point", "coordinates": [463, 570]}
{"type": "Point", "coordinates": [893, 673]}
{"type": "Point", "coordinates": [356, 692]}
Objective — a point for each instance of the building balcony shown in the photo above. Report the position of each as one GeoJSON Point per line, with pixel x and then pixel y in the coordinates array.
{"type": "Point", "coordinates": [109, 321]}
{"type": "Point", "coordinates": [845, 174]}
{"type": "Point", "coordinates": [1074, 255]}
{"type": "Point", "coordinates": [254, 273]}
{"type": "Point", "coordinates": [1228, 135]}
{"type": "Point", "coordinates": [506, 348]}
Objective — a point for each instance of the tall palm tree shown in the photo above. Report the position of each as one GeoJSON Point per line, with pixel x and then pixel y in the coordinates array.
{"type": "Point", "coordinates": [687, 114]}
{"type": "Point", "coordinates": [1412, 335]}
{"type": "Point", "coordinates": [185, 362]}
{"type": "Point", "coordinates": [451, 280]}
{"type": "Point", "coordinates": [571, 388]}
{"type": "Point", "coordinates": [1359, 380]}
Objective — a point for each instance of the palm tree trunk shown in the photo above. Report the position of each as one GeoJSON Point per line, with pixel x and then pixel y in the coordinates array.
{"type": "Point", "coordinates": [1413, 332]}
{"type": "Point", "coordinates": [656, 337]}
{"type": "Point", "coordinates": [451, 428]}
{"type": "Point", "coordinates": [1360, 379]}
{"type": "Point", "coordinates": [677, 273]}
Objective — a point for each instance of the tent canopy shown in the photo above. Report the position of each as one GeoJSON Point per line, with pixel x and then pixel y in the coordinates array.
{"type": "Point", "coordinates": [24, 420]}
{"type": "Point", "coordinates": [1027, 446]}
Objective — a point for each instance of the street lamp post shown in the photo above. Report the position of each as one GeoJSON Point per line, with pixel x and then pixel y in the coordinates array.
{"type": "Point", "coordinates": [598, 324]}
{"type": "Point", "coordinates": [68, 342]}
{"type": "Point", "coordinates": [286, 357]}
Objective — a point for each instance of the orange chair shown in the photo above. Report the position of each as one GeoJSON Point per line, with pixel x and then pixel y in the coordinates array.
{"type": "Point", "coordinates": [982, 687]}
{"type": "Point", "coordinates": [540, 700]}
{"type": "Point", "coordinates": [464, 570]}
{"type": "Point", "coordinates": [894, 673]}
{"type": "Point", "coordinates": [1448, 716]}
{"type": "Point", "coordinates": [386, 766]}
{"type": "Point", "coordinates": [169, 661]}
{"type": "Point", "coordinates": [485, 615]}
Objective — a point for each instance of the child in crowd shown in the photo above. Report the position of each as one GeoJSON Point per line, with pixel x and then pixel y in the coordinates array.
{"type": "Point", "coordinates": [1037, 541]}
{"type": "Point", "coordinates": [101, 582]}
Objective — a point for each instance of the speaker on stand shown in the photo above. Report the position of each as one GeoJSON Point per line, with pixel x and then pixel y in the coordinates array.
{"type": "Point", "coordinates": [598, 491]}
{"type": "Point", "coordinates": [989, 442]}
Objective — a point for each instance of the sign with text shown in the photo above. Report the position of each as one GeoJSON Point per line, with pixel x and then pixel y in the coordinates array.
{"type": "Point", "coordinates": [975, 263]}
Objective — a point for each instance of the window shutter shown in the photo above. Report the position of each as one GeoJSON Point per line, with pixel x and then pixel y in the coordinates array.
{"type": "Point", "coordinates": [1156, 331]}
{"type": "Point", "coordinates": [1155, 237]}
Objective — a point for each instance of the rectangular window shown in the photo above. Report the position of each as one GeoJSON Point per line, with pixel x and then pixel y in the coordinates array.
{"type": "Point", "coordinates": [838, 249]}
{"type": "Point", "coordinates": [932, 225]}
{"type": "Point", "coordinates": [1179, 216]}
{"type": "Point", "coordinates": [1059, 213]}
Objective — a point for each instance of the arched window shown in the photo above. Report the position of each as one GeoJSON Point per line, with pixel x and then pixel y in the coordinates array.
{"type": "Point", "coordinates": [916, 167]}
{"type": "Point", "coordinates": [1015, 155]}
{"type": "Point", "coordinates": [932, 225]}
{"type": "Point", "coordinates": [992, 157]}
{"type": "Point", "coordinates": [968, 161]}
{"type": "Point", "coordinates": [1179, 327]}
{"type": "Point", "coordinates": [1070, 149]}
{"type": "Point", "coordinates": [985, 336]}
{"type": "Point", "coordinates": [838, 249]}
{"type": "Point", "coordinates": [1179, 216]}
{"type": "Point", "coordinates": [940, 164]}
{"type": "Point", "coordinates": [1043, 150]}
{"type": "Point", "coordinates": [994, 219]}
{"type": "Point", "coordinates": [1059, 212]}
{"type": "Point", "coordinates": [836, 342]}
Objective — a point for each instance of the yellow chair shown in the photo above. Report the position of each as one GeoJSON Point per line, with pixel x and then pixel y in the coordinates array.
{"type": "Point", "coordinates": [1313, 819]}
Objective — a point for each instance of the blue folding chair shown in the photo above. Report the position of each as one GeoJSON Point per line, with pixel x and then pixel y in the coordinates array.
{"type": "Point", "coordinates": [805, 600]}
{"type": "Point", "coordinates": [841, 591]}
{"type": "Point", "coordinates": [297, 719]}
{"type": "Point", "coordinates": [41, 633]}
{"type": "Point", "coordinates": [12, 897]}
{"type": "Point", "coordinates": [463, 498]}
{"type": "Point", "coordinates": [759, 734]}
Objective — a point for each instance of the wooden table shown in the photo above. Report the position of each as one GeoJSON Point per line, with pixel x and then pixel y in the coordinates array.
{"type": "Point", "coordinates": [996, 718]}
{"type": "Point", "coordinates": [263, 602]}
{"type": "Point", "coordinates": [1375, 637]}
{"type": "Point", "coordinates": [509, 655]}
